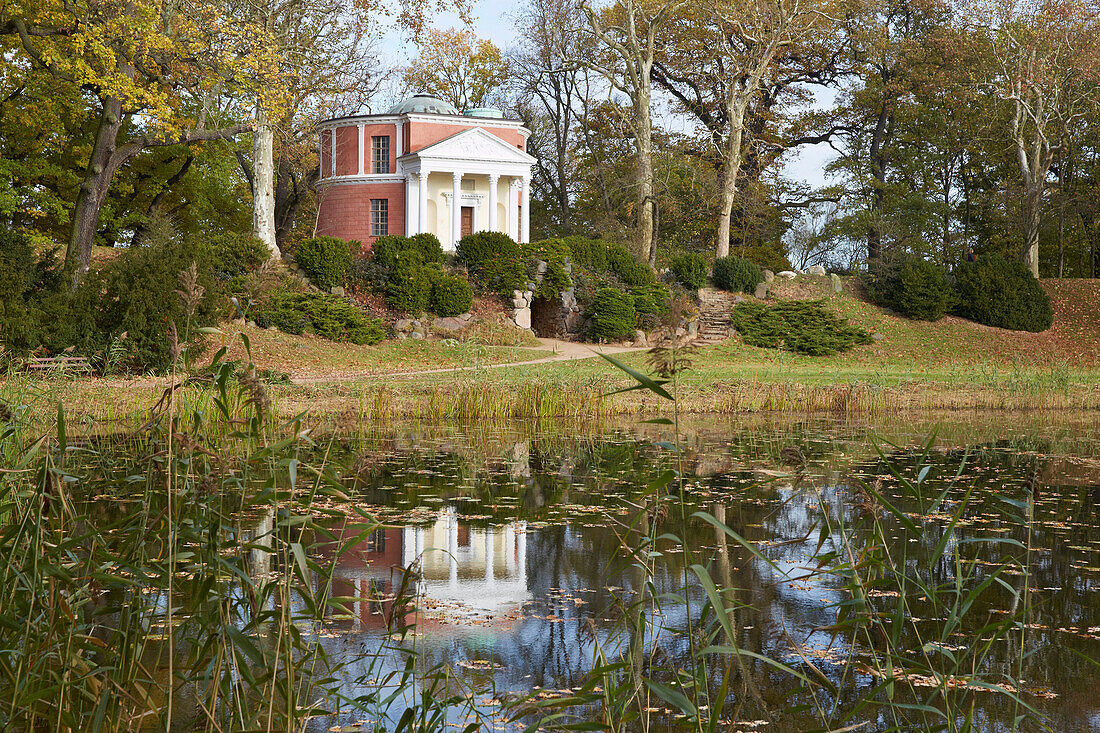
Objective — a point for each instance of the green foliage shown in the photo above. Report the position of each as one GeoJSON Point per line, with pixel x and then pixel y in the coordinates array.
{"type": "Point", "coordinates": [600, 255]}
{"type": "Point", "coordinates": [19, 318]}
{"type": "Point", "coordinates": [429, 247]}
{"type": "Point", "coordinates": [910, 285]}
{"type": "Point", "coordinates": [737, 274]}
{"type": "Point", "coordinates": [328, 316]}
{"type": "Point", "coordinates": [769, 256]}
{"type": "Point", "coordinates": [802, 326]}
{"type": "Point", "coordinates": [1002, 293]}
{"type": "Point", "coordinates": [325, 260]}
{"type": "Point", "coordinates": [409, 286]}
{"type": "Point", "coordinates": [232, 254]}
{"type": "Point", "coordinates": [612, 314]}
{"type": "Point", "coordinates": [494, 261]}
{"type": "Point", "coordinates": [690, 269]}
{"type": "Point", "coordinates": [451, 296]}
{"type": "Point", "coordinates": [651, 303]}
{"type": "Point", "coordinates": [548, 250]}
{"type": "Point", "coordinates": [555, 279]}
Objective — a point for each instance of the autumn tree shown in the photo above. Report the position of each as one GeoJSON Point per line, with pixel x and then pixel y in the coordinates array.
{"type": "Point", "coordinates": [458, 67]}
{"type": "Point", "coordinates": [627, 41]}
{"type": "Point", "coordinates": [1046, 69]}
{"type": "Point", "coordinates": [150, 70]}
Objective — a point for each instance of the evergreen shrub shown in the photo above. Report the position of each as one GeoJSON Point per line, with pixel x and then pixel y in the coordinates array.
{"type": "Point", "coordinates": [451, 296]}
{"type": "Point", "coordinates": [600, 255]}
{"type": "Point", "coordinates": [232, 254]}
{"type": "Point", "coordinates": [690, 269]}
{"type": "Point", "coordinates": [1002, 293]}
{"type": "Point", "coordinates": [328, 316]}
{"type": "Point", "coordinates": [651, 303]}
{"type": "Point", "coordinates": [737, 274]}
{"type": "Point", "coordinates": [409, 286]}
{"type": "Point", "coordinates": [612, 314]}
{"type": "Point", "coordinates": [429, 247]}
{"type": "Point", "coordinates": [802, 326]}
{"type": "Point", "coordinates": [910, 285]}
{"type": "Point", "coordinates": [326, 260]}
{"type": "Point", "coordinates": [494, 261]}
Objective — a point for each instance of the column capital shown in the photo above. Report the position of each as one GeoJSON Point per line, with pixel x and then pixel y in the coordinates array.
{"type": "Point", "coordinates": [515, 183]}
{"type": "Point", "coordinates": [493, 178]}
{"type": "Point", "coordinates": [456, 176]}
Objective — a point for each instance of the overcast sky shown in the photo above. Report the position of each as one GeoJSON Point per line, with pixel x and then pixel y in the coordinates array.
{"type": "Point", "coordinates": [493, 19]}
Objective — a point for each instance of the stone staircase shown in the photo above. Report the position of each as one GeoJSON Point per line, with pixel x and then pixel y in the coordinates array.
{"type": "Point", "coordinates": [714, 314]}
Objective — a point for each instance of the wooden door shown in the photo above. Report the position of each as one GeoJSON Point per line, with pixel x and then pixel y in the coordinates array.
{"type": "Point", "coordinates": [467, 220]}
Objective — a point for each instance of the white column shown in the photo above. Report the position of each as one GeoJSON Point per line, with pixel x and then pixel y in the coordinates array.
{"type": "Point", "coordinates": [513, 214]}
{"type": "Point", "coordinates": [362, 150]}
{"type": "Point", "coordinates": [452, 546]}
{"type": "Point", "coordinates": [509, 544]}
{"type": "Point", "coordinates": [489, 552]}
{"type": "Point", "coordinates": [422, 212]}
{"type": "Point", "coordinates": [456, 209]}
{"type": "Point", "coordinates": [525, 202]}
{"type": "Point", "coordinates": [408, 546]}
{"type": "Point", "coordinates": [397, 151]}
{"type": "Point", "coordinates": [521, 551]}
{"type": "Point", "coordinates": [493, 180]}
{"type": "Point", "coordinates": [410, 209]}
{"type": "Point", "coordinates": [333, 155]}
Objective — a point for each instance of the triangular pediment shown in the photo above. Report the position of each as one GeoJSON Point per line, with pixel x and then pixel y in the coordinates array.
{"type": "Point", "coordinates": [474, 144]}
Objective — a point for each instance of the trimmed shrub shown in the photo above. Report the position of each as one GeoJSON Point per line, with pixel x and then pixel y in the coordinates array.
{"type": "Point", "coordinates": [600, 255]}
{"type": "Point", "coordinates": [802, 326]}
{"type": "Point", "coordinates": [390, 249]}
{"type": "Point", "coordinates": [690, 269]}
{"type": "Point", "coordinates": [612, 314]}
{"type": "Point", "coordinates": [494, 261]}
{"type": "Point", "coordinates": [1002, 293]}
{"type": "Point", "coordinates": [737, 274]}
{"type": "Point", "coordinates": [325, 260]}
{"type": "Point", "coordinates": [428, 245]}
{"type": "Point", "coordinates": [328, 316]}
{"type": "Point", "coordinates": [409, 286]}
{"type": "Point", "coordinates": [910, 285]}
{"type": "Point", "coordinates": [451, 296]}
{"type": "Point", "coordinates": [233, 254]}
{"type": "Point", "coordinates": [651, 303]}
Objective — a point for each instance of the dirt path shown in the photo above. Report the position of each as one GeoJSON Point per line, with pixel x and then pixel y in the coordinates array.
{"type": "Point", "coordinates": [558, 351]}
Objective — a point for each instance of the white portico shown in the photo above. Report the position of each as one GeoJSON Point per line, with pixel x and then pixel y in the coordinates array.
{"type": "Point", "coordinates": [471, 181]}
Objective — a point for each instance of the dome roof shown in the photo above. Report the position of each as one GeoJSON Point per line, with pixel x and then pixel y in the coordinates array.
{"type": "Point", "coordinates": [424, 103]}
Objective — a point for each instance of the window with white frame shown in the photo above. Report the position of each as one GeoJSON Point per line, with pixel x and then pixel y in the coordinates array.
{"type": "Point", "coordinates": [380, 154]}
{"type": "Point", "coordinates": [379, 217]}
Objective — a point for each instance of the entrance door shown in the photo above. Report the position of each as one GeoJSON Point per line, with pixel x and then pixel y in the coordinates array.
{"type": "Point", "coordinates": [467, 220]}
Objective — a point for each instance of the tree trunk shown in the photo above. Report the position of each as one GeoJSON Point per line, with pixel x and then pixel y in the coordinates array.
{"type": "Point", "coordinates": [1031, 221]}
{"type": "Point", "coordinates": [93, 191]}
{"type": "Point", "coordinates": [263, 183]}
{"type": "Point", "coordinates": [730, 169]}
{"type": "Point", "coordinates": [642, 203]}
{"type": "Point", "coordinates": [878, 173]}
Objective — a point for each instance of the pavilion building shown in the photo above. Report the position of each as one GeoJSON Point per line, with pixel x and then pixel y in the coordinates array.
{"type": "Point", "coordinates": [424, 167]}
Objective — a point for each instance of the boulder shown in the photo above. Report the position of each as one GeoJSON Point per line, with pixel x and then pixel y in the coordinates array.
{"type": "Point", "coordinates": [541, 267]}
{"type": "Point", "coordinates": [639, 338]}
{"type": "Point", "coordinates": [816, 270]}
{"type": "Point", "coordinates": [417, 335]}
{"type": "Point", "coordinates": [401, 336]}
{"type": "Point", "coordinates": [466, 317]}
{"type": "Point", "coordinates": [761, 291]}
{"type": "Point", "coordinates": [449, 342]}
{"type": "Point", "coordinates": [787, 274]}
{"type": "Point", "coordinates": [878, 336]}
{"type": "Point", "coordinates": [450, 324]}
{"type": "Point", "coordinates": [769, 276]}
{"type": "Point", "coordinates": [517, 294]}
{"type": "Point", "coordinates": [338, 290]}
{"type": "Point", "coordinates": [523, 318]}
{"type": "Point", "coordinates": [403, 325]}
{"type": "Point", "coordinates": [738, 299]}
{"type": "Point", "coordinates": [836, 282]}
{"type": "Point", "coordinates": [519, 302]}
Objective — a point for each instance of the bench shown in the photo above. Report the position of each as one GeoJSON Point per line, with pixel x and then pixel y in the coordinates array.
{"type": "Point", "coordinates": [58, 364]}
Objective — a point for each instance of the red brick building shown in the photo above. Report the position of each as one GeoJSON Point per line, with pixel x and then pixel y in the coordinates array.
{"type": "Point", "coordinates": [424, 167]}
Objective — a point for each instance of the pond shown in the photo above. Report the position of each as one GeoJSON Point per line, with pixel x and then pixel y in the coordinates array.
{"type": "Point", "coordinates": [744, 573]}
{"type": "Point", "coordinates": [527, 560]}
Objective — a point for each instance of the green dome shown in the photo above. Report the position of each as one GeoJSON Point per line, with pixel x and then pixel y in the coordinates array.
{"type": "Point", "coordinates": [424, 104]}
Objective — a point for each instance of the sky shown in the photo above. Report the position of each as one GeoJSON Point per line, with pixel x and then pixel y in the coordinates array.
{"type": "Point", "coordinates": [494, 20]}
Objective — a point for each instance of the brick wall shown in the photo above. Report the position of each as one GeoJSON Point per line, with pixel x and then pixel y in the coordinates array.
{"type": "Point", "coordinates": [344, 209]}
{"type": "Point", "coordinates": [387, 130]}
{"type": "Point", "coordinates": [347, 150]}
{"type": "Point", "coordinates": [326, 153]}
{"type": "Point", "coordinates": [424, 134]}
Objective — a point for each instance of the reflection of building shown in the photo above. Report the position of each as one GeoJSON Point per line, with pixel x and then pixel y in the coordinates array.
{"type": "Point", "coordinates": [484, 569]}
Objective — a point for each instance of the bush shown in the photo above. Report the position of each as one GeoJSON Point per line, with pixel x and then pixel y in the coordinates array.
{"type": "Point", "coordinates": [737, 274]}
{"type": "Point", "coordinates": [451, 296]}
{"type": "Point", "coordinates": [802, 326]}
{"type": "Point", "coordinates": [427, 244]}
{"type": "Point", "coordinates": [771, 256]}
{"type": "Point", "coordinates": [328, 316]}
{"type": "Point", "coordinates": [910, 285]}
{"type": "Point", "coordinates": [1002, 293]}
{"type": "Point", "coordinates": [600, 255]}
{"type": "Point", "coordinates": [494, 261]}
{"type": "Point", "coordinates": [325, 260]}
{"type": "Point", "coordinates": [612, 314]}
{"type": "Point", "coordinates": [690, 269]}
{"type": "Point", "coordinates": [651, 304]}
{"type": "Point", "coordinates": [233, 254]}
{"type": "Point", "coordinates": [409, 287]}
